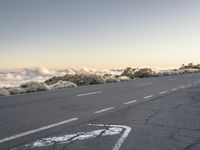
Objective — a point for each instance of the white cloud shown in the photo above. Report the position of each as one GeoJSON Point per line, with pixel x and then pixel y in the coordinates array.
{"type": "Point", "coordinates": [17, 77]}
{"type": "Point", "coordinates": [9, 76]}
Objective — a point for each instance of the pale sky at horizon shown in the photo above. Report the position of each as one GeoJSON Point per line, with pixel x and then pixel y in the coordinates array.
{"type": "Point", "coordinates": [99, 34]}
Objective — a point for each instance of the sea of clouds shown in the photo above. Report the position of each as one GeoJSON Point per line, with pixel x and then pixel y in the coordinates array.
{"type": "Point", "coordinates": [17, 77]}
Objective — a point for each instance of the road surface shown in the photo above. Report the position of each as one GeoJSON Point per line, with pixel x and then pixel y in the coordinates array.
{"type": "Point", "coordinates": [161, 113]}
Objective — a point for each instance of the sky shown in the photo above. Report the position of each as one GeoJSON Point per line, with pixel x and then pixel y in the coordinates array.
{"type": "Point", "coordinates": [99, 33]}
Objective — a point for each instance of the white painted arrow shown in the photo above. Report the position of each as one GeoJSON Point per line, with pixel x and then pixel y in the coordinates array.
{"type": "Point", "coordinates": [108, 131]}
{"type": "Point", "coordinates": [119, 143]}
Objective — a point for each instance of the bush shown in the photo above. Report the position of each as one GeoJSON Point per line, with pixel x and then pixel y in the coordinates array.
{"type": "Point", "coordinates": [4, 92]}
{"type": "Point", "coordinates": [112, 79]}
{"type": "Point", "coordinates": [129, 72]}
{"type": "Point", "coordinates": [34, 87]}
{"type": "Point", "coordinates": [14, 91]}
{"type": "Point", "coordinates": [145, 72]}
{"type": "Point", "coordinates": [53, 80]}
{"type": "Point", "coordinates": [190, 66]}
{"type": "Point", "coordinates": [94, 79]}
{"type": "Point", "coordinates": [78, 79]}
{"type": "Point", "coordinates": [85, 79]}
{"type": "Point", "coordinates": [123, 78]}
{"type": "Point", "coordinates": [63, 84]}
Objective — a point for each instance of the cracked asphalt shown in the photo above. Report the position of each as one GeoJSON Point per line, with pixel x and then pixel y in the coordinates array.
{"type": "Point", "coordinates": [171, 122]}
{"type": "Point", "coordinates": [167, 121]}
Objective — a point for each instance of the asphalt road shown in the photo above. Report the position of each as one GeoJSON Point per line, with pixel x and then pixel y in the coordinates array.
{"type": "Point", "coordinates": [161, 113]}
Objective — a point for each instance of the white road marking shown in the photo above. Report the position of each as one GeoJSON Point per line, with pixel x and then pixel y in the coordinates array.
{"type": "Point", "coordinates": [174, 89]}
{"type": "Point", "coordinates": [122, 138]}
{"type": "Point", "coordinates": [189, 84]}
{"type": "Point", "coordinates": [37, 130]}
{"type": "Point", "coordinates": [75, 137]}
{"type": "Point", "coordinates": [91, 93]}
{"type": "Point", "coordinates": [103, 110]}
{"type": "Point", "coordinates": [172, 79]}
{"type": "Point", "coordinates": [182, 87]}
{"type": "Point", "coordinates": [163, 92]}
{"type": "Point", "coordinates": [144, 84]}
{"type": "Point", "coordinates": [108, 130]}
{"type": "Point", "coordinates": [195, 83]}
{"type": "Point", "coordinates": [148, 96]}
{"type": "Point", "coordinates": [130, 102]}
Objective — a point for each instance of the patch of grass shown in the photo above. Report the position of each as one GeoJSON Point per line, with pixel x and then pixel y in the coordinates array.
{"type": "Point", "coordinates": [16, 90]}
{"type": "Point", "coordinates": [34, 87]}
{"type": "Point", "coordinates": [123, 78]}
{"type": "Point", "coordinates": [78, 79]}
{"type": "Point", "coordinates": [112, 79]}
{"type": "Point", "coordinates": [142, 73]}
{"type": "Point", "coordinates": [63, 84]}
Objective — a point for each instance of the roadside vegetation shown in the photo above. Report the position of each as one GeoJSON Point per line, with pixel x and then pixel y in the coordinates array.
{"type": "Point", "coordinates": [71, 81]}
{"type": "Point", "coordinates": [139, 73]}
{"type": "Point", "coordinates": [62, 84]}
{"type": "Point", "coordinates": [28, 87]}
{"type": "Point", "coordinates": [190, 67]}
{"type": "Point", "coordinates": [4, 92]}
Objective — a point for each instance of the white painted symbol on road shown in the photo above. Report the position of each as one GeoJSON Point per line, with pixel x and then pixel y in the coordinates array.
{"type": "Point", "coordinates": [119, 143]}
{"type": "Point", "coordinates": [109, 130]}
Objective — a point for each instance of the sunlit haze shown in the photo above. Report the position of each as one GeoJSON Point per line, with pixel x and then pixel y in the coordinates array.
{"type": "Point", "coordinates": [99, 34]}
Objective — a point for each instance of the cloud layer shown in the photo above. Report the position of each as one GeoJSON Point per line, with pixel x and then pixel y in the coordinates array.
{"type": "Point", "coordinates": [17, 77]}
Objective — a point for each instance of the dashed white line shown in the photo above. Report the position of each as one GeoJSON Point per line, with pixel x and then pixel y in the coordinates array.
{"type": "Point", "coordinates": [91, 93]}
{"type": "Point", "coordinates": [104, 110]}
{"type": "Point", "coordinates": [149, 96]}
{"type": "Point", "coordinates": [163, 92]}
{"type": "Point", "coordinates": [189, 84]}
{"type": "Point", "coordinates": [174, 89]}
{"type": "Point", "coordinates": [130, 102]}
{"type": "Point", "coordinates": [182, 87]}
{"type": "Point", "coordinates": [172, 79]}
{"type": "Point", "coordinates": [36, 130]}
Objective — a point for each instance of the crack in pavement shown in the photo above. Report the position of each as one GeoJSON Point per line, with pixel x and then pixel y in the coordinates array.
{"type": "Point", "coordinates": [151, 116]}
{"type": "Point", "coordinates": [190, 146]}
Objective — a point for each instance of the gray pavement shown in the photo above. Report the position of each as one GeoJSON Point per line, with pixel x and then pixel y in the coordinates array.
{"type": "Point", "coordinates": [145, 114]}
